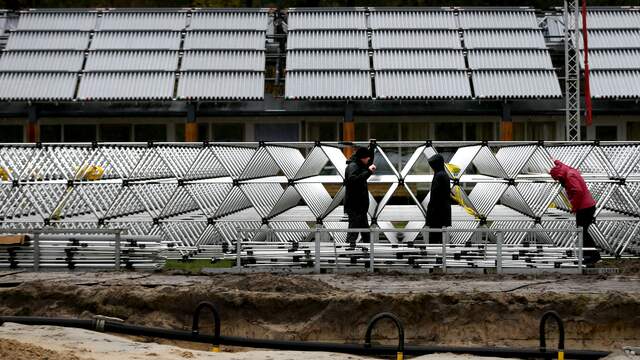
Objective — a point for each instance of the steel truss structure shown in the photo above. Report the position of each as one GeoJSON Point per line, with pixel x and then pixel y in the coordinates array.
{"type": "Point", "coordinates": [193, 195]}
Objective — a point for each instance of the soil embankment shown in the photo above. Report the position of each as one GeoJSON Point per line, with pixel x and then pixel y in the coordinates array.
{"type": "Point", "coordinates": [600, 312]}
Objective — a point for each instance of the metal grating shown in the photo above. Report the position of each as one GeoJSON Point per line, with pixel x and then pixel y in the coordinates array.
{"type": "Point", "coordinates": [140, 40]}
{"type": "Point", "coordinates": [504, 39]}
{"type": "Point", "coordinates": [38, 40]}
{"type": "Point", "coordinates": [126, 86]}
{"type": "Point", "coordinates": [611, 19]}
{"type": "Point", "coordinates": [146, 20]}
{"type": "Point", "coordinates": [37, 86]}
{"type": "Point", "coordinates": [228, 86]}
{"type": "Point", "coordinates": [132, 60]}
{"type": "Point", "coordinates": [412, 19]}
{"type": "Point", "coordinates": [497, 19]}
{"type": "Point", "coordinates": [418, 59]}
{"type": "Point", "coordinates": [615, 84]}
{"type": "Point", "coordinates": [41, 61]}
{"type": "Point", "coordinates": [515, 84]}
{"type": "Point", "coordinates": [236, 20]}
{"type": "Point", "coordinates": [509, 59]}
{"type": "Point", "coordinates": [613, 59]}
{"type": "Point", "coordinates": [327, 60]}
{"type": "Point", "coordinates": [415, 39]}
{"type": "Point", "coordinates": [327, 40]}
{"type": "Point", "coordinates": [327, 20]}
{"type": "Point", "coordinates": [422, 84]}
{"type": "Point", "coordinates": [224, 60]}
{"type": "Point", "coordinates": [613, 39]}
{"type": "Point", "coordinates": [328, 85]}
{"type": "Point", "coordinates": [83, 21]}
{"type": "Point", "coordinates": [224, 40]}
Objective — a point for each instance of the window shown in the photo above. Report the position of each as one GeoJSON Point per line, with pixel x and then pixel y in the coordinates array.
{"type": "Point", "coordinates": [51, 133]}
{"type": "Point", "coordinates": [518, 131]}
{"type": "Point", "coordinates": [541, 131]}
{"type": "Point", "coordinates": [276, 132]}
{"type": "Point", "coordinates": [150, 132]}
{"type": "Point", "coordinates": [11, 133]}
{"type": "Point", "coordinates": [607, 133]}
{"type": "Point", "coordinates": [415, 131]}
{"type": "Point", "coordinates": [322, 131]}
{"type": "Point", "coordinates": [362, 131]}
{"type": "Point", "coordinates": [387, 131]}
{"type": "Point", "coordinates": [203, 132]}
{"type": "Point", "coordinates": [480, 131]}
{"type": "Point", "coordinates": [115, 132]}
{"type": "Point", "coordinates": [583, 133]}
{"type": "Point", "coordinates": [633, 131]}
{"type": "Point", "coordinates": [228, 132]}
{"type": "Point", "coordinates": [449, 131]}
{"type": "Point", "coordinates": [79, 133]}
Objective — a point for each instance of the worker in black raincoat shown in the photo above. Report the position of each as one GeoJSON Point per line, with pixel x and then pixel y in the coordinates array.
{"type": "Point", "coordinates": [356, 200]}
{"type": "Point", "coordinates": [439, 208]}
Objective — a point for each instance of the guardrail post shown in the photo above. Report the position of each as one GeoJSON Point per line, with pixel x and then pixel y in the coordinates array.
{"type": "Point", "coordinates": [239, 252]}
{"type": "Point", "coordinates": [580, 249]}
{"type": "Point", "coordinates": [499, 241]}
{"type": "Point", "coordinates": [445, 241]}
{"type": "Point", "coordinates": [316, 264]}
{"type": "Point", "coordinates": [36, 251]}
{"type": "Point", "coordinates": [117, 250]}
{"type": "Point", "coordinates": [372, 241]}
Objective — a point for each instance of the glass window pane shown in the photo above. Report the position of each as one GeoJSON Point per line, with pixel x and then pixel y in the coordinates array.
{"type": "Point", "coordinates": [179, 135]}
{"type": "Point", "coordinates": [79, 133]}
{"type": "Point", "coordinates": [322, 131]}
{"type": "Point", "coordinates": [415, 131]}
{"type": "Point", "coordinates": [518, 131]}
{"type": "Point", "coordinates": [203, 131]}
{"type": "Point", "coordinates": [480, 131]}
{"type": "Point", "coordinates": [607, 133]}
{"type": "Point", "coordinates": [228, 132]}
{"type": "Point", "coordinates": [449, 131]}
{"type": "Point", "coordinates": [11, 133]}
{"type": "Point", "coordinates": [541, 131]}
{"type": "Point", "coordinates": [633, 131]}
{"type": "Point", "coordinates": [115, 132]}
{"type": "Point", "coordinates": [51, 133]}
{"type": "Point", "coordinates": [155, 132]}
{"type": "Point", "coordinates": [387, 131]}
{"type": "Point", "coordinates": [276, 132]}
{"type": "Point", "coordinates": [361, 131]}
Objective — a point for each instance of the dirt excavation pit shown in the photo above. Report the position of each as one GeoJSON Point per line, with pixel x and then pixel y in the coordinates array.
{"type": "Point", "coordinates": [600, 312]}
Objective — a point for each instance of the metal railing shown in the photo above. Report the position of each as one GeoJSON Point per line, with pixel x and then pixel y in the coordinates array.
{"type": "Point", "coordinates": [319, 232]}
{"type": "Point", "coordinates": [44, 246]}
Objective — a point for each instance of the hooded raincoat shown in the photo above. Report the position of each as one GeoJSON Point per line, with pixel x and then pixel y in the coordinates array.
{"type": "Point", "coordinates": [439, 208]}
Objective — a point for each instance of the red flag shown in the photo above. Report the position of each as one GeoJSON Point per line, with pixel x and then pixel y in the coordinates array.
{"type": "Point", "coordinates": [587, 88]}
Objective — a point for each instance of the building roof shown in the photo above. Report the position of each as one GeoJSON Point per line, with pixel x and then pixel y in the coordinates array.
{"type": "Point", "coordinates": [338, 54]}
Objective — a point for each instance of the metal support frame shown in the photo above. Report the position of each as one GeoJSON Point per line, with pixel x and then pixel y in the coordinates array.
{"type": "Point", "coordinates": [195, 195]}
{"type": "Point", "coordinates": [117, 250]}
{"type": "Point", "coordinates": [572, 68]}
{"type": "Point", "coordinates": [492, 252]}
{"type": "Point", "coordinates": [499, 243]}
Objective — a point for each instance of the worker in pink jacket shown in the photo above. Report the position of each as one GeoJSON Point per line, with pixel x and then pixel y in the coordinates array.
{"type": "Point", "coordinates": [582, 204]}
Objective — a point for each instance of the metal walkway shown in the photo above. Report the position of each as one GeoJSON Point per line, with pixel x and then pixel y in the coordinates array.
{"type": "Point", "coordinates": [193, 195]}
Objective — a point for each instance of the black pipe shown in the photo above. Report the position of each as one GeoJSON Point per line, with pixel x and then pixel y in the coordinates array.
{"type": "Point", "coordinates": [543, 339]}
{"type": "Point", "coordinates": [356, 349]}
{"type": "Point", "coordinates": [399, 326]}
{"type": "Point", "coordinates": [195, 328]}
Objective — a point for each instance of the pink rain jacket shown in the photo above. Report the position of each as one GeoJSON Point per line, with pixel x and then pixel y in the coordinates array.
{"type": "Point", "coordinates": [579, 195]}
